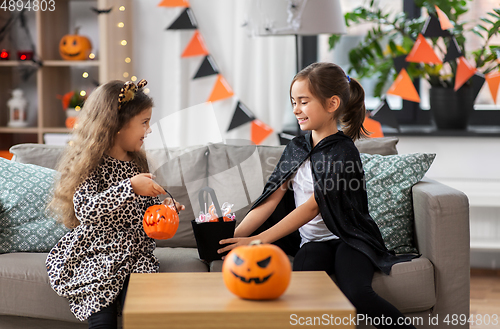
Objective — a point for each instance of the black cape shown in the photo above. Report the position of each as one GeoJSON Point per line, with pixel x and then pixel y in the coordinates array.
{"type": "Point", "coordinates": [340, 192]}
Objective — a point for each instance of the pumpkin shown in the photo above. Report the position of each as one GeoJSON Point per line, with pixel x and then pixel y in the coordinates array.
{"type": "Point", "coordinates": [75, 47]}
{"type": "Point", "coordinates": [160, 222]}
{"type": "Point", "coordinates": [257, 271]}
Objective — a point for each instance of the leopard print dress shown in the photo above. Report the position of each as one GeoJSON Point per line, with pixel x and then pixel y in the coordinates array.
{"type": "Point", "coordinates": [91, 262]}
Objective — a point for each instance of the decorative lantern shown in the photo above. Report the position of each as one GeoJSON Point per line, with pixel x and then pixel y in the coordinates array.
{"type": "Point", "coordinates": [17, 108]}
{"type": "Point", "coordinates": [257, 271]}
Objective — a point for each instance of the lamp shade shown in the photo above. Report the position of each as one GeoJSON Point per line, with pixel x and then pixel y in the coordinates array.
{"type": "Point", "coordinates": [298, 17]}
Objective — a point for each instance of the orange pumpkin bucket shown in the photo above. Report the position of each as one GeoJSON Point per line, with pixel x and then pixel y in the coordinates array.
{"type": "Point", "coordinates": [161, 222]}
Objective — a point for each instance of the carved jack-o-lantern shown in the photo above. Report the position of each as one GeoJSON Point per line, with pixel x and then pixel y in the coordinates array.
{"type": "Point", "coordinates": [75, 47]}
{"type": "Point", "coordinates": [160, 222]}
{"type": "Point", "coordinates": [257, 271]}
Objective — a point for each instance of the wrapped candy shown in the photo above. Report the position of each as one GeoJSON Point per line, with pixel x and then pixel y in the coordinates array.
{"type": "Point", "coordinates": [211, 216]}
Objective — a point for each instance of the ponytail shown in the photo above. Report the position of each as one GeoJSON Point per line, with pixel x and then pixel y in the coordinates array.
{"type": "Point", "coordinates": [354, 113]}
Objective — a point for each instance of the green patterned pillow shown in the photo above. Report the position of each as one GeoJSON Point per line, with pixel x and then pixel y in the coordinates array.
{"type": "Point", "coordinates": [389, 180]}
{"type": "Point", "coordinates": [24, 193]}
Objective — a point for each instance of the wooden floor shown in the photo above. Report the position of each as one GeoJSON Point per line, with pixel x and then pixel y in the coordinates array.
{"type": "Point", "coordinates": [485, 296]}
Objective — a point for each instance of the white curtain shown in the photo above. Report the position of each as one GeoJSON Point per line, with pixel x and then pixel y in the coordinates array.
{"type": "Point", "coordinates": [258, 69]}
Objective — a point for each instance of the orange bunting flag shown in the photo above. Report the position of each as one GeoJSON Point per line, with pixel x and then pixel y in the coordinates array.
{"type": "Point", "coordinates": [221, 90]}
{"type": "Point", "coordinates": [493, 80]}
{"type": "Point", "coordinates": [195, 47]}
{"type": "Point", "coordinates": [374, 127]}
{"type": "Point", "coordinates": [422, 52]}
{"type": "Point", "coordinates": [404, 88]}
{"type": "Point", "coordinates": [259, 131]}
{"type": "Point", "coordinates": [174, 3]}
{"type": "Point", "coordinates": [464, 72]}
{"type": "Point", "coordinates": [444, 21]}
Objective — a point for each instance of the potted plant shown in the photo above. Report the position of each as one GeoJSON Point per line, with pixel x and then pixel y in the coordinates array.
{"type": "Point", "coordinates": [394, 35]}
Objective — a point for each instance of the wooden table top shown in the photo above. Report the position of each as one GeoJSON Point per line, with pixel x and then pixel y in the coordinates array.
{"type": "Point", "coordinates": [201, 300]}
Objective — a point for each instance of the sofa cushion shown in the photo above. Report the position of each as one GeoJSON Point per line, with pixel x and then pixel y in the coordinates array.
{"type": "Point", "coordinates": [409, 286]}
{"type": "Point", "coordinates": [25, 190]}
{"type": "Point", "coordinates": [380, 145]}
{"type": "Point", "coordinates": [182, 172]}
{"type": "Point", "coordinates": [38, 154]}
{"type": "Point", "coordinates": [180, 260]}
{"type": "Point", "coordinates": [25, 289]}
{"type": "Point", "coordinates": [389, 180]}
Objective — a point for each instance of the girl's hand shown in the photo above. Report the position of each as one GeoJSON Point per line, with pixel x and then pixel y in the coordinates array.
{"type": "Point", "coordinates": [143, 184]}
{"type": "Point", "coordinates": [170, 201]}
{"type": "Point", "coordinates": [235, 242]}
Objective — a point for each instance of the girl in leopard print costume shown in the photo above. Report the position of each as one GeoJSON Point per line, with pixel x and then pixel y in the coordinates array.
{"type": "Point", "coordinates": [102, 194]}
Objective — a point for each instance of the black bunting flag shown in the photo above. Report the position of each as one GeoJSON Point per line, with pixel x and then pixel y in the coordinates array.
{"type": "Point", "coordinates": [241, 116]}
{"type": "Point", "coordinates": [207, 68]}
{"type": "Point", "coordinates": [432, 28]}
{"type": "Point", "coordinates": [185, 21]}
{"type": "Point", "coordinates": [453, 50]}
{"type": "Point", "coordinates": [384, 115]}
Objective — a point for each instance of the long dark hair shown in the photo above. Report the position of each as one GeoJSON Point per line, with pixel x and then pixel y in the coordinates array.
{"type": "Point", "coordinates": [327, 80]}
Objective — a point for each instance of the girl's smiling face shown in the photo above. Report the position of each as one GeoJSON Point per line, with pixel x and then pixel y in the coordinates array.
{"type": "Point", "coordinates": [131, 136]}
{"type": "Point", "coordinates": [310, 112]}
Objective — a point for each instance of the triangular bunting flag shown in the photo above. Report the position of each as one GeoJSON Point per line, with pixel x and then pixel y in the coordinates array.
{"type": "Point", "coordinates": [259, 131]}
{"type": "Point", "coordinates": [374, 127]}
{"type": "Point", "coordinates": [493, 80]}
{"type": "Point", "coordinates": [422, 52]}
{"type": "Point", "coordinates": [385, 115]}
{"type": "Point", "coordinates": [185, 21]}
{"type": "Point", "coordinates": [400, 63]}
{"type": "Point", "coordinates": [453, 50]}
{"type": "Point", "coordinates": [404, 88]}
{"type": "Point", "coordinates": [464, 72]}
{"type": "Point", "coordinates": [241, 116]}
{"type": "Point", "coordinates": [174, 3]}
{"type": "Point", "coordinates": [432, 28]}
{"type": "Point", "coordinates": [285, 138]}
{"type": "Point", "coordinates": [444, 21]}
{"type": "Point", "coordinates": [207, 68]}
{"type": "Point", "coordinates": [477, 82]}
{"type": "Point", "coordinates": [195, 47]}
{"type": "Point", "coordinates": [221, 90]}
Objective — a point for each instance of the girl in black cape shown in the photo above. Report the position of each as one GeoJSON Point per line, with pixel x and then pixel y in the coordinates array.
{"type": "Point", "coordinates": [314, 205]}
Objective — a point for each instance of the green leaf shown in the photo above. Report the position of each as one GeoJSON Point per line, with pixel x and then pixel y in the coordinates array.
{"type": "Point", "coordinates": [486, 20]}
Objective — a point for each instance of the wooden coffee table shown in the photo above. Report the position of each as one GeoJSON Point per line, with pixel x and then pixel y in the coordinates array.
{"type": "Point", "coordinates": [201, 300]}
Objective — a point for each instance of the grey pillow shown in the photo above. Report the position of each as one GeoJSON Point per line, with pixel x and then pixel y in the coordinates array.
{"type": "Point", "coordinates": [38, 154]}
{"type": "Point", "coordinates": [381, 145]}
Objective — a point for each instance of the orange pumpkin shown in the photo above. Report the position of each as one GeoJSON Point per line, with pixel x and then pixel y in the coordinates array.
{"type": "Point", "coordinates": [257, 271]}
{"type": "Point", "coordinates": [160, 222]}
{"type": "Point", "coordinates": [75, 47]}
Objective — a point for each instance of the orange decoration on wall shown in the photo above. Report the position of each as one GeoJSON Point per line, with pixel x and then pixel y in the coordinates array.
{"type": "Point", "coordinates": [374, 127]}
{"type": "Point", "coordinates": [259, 131]}
{"type": "Point", "coordinates": [443, 19]}
{"type": "Point", "coordinates": [174, 3]}
{"type": "Point", "coordinates": [404, 88]}
{"type": "Point", "coordinates": [464, 72]}
{"type": "Point", "coordinates": [221, 90]}
{"type": "Point", "coordinates": [422, 52]}
{"type": "Point", "coordinates": [493, 80]}
{"type": "Point", "coordinates": [195, 47]}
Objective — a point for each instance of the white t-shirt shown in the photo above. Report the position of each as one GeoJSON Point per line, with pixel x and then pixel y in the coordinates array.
{"type": "Point", "coordinates": [303, 189]}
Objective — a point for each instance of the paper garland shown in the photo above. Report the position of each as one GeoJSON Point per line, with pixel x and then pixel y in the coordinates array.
{"type": "Point", "coordinates": [385, 115]}
{"type": "Point", "coordinates": [221, 90]}
{"type": "Point", "coordinates": [404, 88]}
{"type": "Point", "coordinates": [453, 51]}
{"type": "Point", "coordinates": [493, 80]}
{"type": "Point", "coordinates": [465, 71]}
{"type": "Point", "coordinates": [432, 28]}
{"type": "Point", "coordinates": [443, 19]}
{"type": "Point", "coordinates": [422, 52]}
{"type": "Point", "coordinates": [374, 127]}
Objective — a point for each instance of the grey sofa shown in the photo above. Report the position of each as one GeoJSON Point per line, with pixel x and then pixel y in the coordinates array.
{"type": "Point", "coordinates": [434, 285]}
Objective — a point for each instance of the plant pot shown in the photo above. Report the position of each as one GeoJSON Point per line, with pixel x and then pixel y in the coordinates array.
{"type": "Point", "coordinates": [451, 110]}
